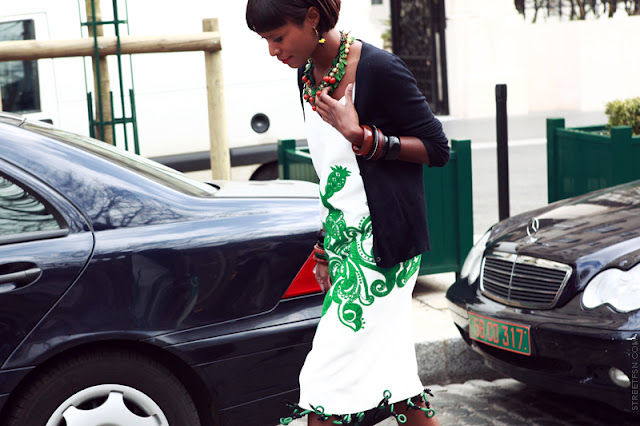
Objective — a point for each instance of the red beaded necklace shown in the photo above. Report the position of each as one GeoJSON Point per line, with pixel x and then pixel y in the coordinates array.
{"type": "Point", "coordinates": [332, 78]}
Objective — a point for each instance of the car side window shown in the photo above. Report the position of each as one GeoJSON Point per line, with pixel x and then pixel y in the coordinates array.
{"type": "Point", "coordinates": [21, 212]}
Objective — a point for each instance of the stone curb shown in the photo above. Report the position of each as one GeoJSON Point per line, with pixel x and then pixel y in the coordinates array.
{"type": "Point", "coordinates": [450, 360]}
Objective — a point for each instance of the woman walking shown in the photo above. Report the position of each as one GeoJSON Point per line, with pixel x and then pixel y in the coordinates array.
{"type": "Point", "coordinates": [369, 131]}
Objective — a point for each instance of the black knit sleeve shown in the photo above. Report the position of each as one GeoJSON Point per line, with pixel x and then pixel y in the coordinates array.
{"type": "Point", "coordinates": [407, 107]}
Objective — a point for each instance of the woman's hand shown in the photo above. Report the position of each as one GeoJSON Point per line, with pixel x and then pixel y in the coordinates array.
{"type": "Point", "coordinates": [322, 276]}
{"type": "Point", "coordinates": [343, 118]}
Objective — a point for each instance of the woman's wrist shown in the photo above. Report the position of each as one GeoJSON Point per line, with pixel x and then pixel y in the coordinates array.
{"type": "Point", "coordinates": [356, 136]}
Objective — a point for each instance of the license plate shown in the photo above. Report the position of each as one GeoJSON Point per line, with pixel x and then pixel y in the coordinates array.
{"type": "Point", "coordinates": [501, 334]}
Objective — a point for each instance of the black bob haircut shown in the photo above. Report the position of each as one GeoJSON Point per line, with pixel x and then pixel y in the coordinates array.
{"type": "Point", "coordinates": [267, 15]}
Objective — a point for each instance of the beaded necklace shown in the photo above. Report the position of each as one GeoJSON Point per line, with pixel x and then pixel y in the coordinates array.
{"type": "Point", "coordinates": [332, 78]}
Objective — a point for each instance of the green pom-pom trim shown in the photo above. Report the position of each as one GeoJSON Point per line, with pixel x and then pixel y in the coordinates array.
{"type": "Point", "coordinates": [355, 418]}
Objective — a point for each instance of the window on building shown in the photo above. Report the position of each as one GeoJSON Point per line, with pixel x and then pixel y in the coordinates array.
{"type": "Point", "coordinates": [19, 79]}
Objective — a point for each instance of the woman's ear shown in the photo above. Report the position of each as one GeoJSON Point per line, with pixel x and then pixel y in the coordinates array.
{"type": "Point", "coordinates": [313, 16]}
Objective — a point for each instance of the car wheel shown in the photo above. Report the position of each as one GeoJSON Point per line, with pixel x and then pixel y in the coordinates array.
{"type": "Point", "coordinates": [105, 388]}
{"type": "Point", "coordinates": [267, 171]}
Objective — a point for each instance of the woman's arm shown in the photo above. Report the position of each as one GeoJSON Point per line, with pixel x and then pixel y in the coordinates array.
{"type": "Point", "coordinates": [407, 108]}
{"type": "Point", "coordinates": [404, 105]}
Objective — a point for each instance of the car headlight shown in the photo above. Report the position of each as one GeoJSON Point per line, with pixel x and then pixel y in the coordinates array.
{"type": "Point", "coordinates": [471, 266]}
{"type": "Point", "coordinates": [620, 289]}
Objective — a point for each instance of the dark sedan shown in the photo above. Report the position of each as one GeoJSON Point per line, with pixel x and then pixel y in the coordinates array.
{"type": "Point", "coordinates": [132, 294]}
{"type": "Point", "coordinates": [552, 297]}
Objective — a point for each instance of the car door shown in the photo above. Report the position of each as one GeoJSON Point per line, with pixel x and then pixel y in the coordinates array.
{"type": "Point", "coordinates": [44, 245]}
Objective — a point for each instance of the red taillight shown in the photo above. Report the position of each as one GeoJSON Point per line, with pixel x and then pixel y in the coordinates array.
{"type": "Point", "coordinates": [305, 281]}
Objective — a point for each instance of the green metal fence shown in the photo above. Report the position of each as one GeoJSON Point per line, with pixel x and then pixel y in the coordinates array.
{"type": "Point", "coordinates": [295, 162]}
{"type": "Point", "coordinates": [449, 202]}
{"type": "Point", "coordinates": [100, 123]}
{"type": "Point", "coordinates": [584, 159]}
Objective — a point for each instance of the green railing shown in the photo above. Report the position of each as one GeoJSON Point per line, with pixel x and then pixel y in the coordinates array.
{"type": "Point", "coordinates": [584, 159]}
{"type": "Point", "coordinates": [295, 162]}
{"type": "Point", "coordinates": [449, 202]}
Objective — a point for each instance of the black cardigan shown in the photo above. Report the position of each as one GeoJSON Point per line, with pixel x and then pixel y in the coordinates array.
{"type": "Point", "coordinates": [387, 96]}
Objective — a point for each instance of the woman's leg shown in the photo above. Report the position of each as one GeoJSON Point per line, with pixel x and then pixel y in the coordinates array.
{"type": "Point", "coordinates": [312, 420]}
{"type": "Point", "coordinates": [415, 417]}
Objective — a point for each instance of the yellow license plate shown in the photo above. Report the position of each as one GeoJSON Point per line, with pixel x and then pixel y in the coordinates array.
{"type": "Point", "coordinates": [500, 334]}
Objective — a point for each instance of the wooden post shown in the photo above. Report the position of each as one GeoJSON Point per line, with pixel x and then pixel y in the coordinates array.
{"type": "Point", "coordinates": [1, 96]}
{"type": "Point", "coordinates": [28, 50]}
{"type": "Point", "coordinates": [102, 85]}
{"type": "Point", "coordinates": [220, 160]}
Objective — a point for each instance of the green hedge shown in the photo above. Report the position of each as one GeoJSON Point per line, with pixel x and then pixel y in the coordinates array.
{"type": "Point", "coordinates": [624, 113]}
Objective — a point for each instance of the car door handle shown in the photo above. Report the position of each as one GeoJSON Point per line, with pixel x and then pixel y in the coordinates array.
{"type": "Point", "coordinates": [14, 280]}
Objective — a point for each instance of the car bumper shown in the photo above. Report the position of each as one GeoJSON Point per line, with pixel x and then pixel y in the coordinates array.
{"type": "Point", "coordinates": [565, 357]}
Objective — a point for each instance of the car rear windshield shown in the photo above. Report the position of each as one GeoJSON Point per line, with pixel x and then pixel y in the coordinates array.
{"type": "Point", "coordinates": [136, 163]}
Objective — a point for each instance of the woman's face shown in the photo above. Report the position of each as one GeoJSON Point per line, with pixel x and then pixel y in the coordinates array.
{"type": "Point", "coordinates": [292, 44]}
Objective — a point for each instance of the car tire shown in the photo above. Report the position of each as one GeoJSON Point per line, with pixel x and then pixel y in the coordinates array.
{"type": "Point", "coordinates": [109, 387]}
{"type": "Point", "coordinates": [267, 171]}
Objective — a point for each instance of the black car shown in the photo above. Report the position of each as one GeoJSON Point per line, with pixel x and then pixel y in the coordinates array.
{"type": "Point", "coordinates": [132, 294]}
{"type": "Point", "coordinates": [551, 297]}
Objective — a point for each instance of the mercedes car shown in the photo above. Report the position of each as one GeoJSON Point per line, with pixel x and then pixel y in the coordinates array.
{"type": "Point", "coordinates": [551, 297]}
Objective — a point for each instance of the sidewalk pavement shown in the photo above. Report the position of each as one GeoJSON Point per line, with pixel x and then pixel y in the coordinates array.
{"type": "Point", "coordinates": [443, 357]}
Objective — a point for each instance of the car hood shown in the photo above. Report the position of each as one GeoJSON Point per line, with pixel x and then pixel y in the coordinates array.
{"type": "Point", "coordinates": [599, 228]}
{"type": "Point", "coordinates": [268, 189]}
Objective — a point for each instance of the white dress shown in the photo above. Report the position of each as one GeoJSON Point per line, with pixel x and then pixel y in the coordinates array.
{"type": "Point", "coordinates": [363, 350]}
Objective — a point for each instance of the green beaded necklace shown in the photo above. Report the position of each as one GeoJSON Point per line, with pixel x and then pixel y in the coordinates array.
{"type": "Point", "coordinates": [332, 78]}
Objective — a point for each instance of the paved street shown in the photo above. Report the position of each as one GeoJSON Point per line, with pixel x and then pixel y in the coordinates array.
{"type": "Point", "coordinates": [506, 402]}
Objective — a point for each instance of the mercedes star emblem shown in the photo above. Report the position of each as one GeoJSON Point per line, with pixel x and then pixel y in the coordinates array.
{"type": "Point", "coordinates": [532, 228]}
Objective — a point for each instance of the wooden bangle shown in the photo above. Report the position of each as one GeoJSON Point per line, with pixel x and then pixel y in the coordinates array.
{"type": "Point", "coordinates": [376, 143]}
{"type": "Point", "coordinates": [394, 148]}
{"type": "Point", "coordinates": [385, 147]}
{"type": "Point", "coordinates": [367, 142]}
{"type": "Point", "coordinates": [321, 261]}
{"type": "Point", "coordinates": [381, 143]}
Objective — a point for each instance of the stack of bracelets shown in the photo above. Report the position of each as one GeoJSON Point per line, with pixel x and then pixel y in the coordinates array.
{"type": "Point", "coordinates": [319, 254]}
{"type": "Point", "coordinates": [377, 146]}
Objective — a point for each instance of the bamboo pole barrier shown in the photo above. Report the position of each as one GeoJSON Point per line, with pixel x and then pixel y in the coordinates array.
{"type": "Point", "coordinates": [219, 151]}
{"type": "Point", "coordinates": [26, 50]}
{"type": "Point", "coordinates": [101, 80]}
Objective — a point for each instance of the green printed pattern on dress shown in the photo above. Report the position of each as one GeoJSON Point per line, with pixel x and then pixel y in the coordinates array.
{"type": "Point", "coordinates": [348, 259]}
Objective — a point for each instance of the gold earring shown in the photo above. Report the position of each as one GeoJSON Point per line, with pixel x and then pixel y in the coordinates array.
{"type": "Point", "coordinates": [321, 39]}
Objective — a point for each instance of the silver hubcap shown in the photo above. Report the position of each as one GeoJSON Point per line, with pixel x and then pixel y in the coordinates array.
{"type": "Point", "coordinates": [109, 405]}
